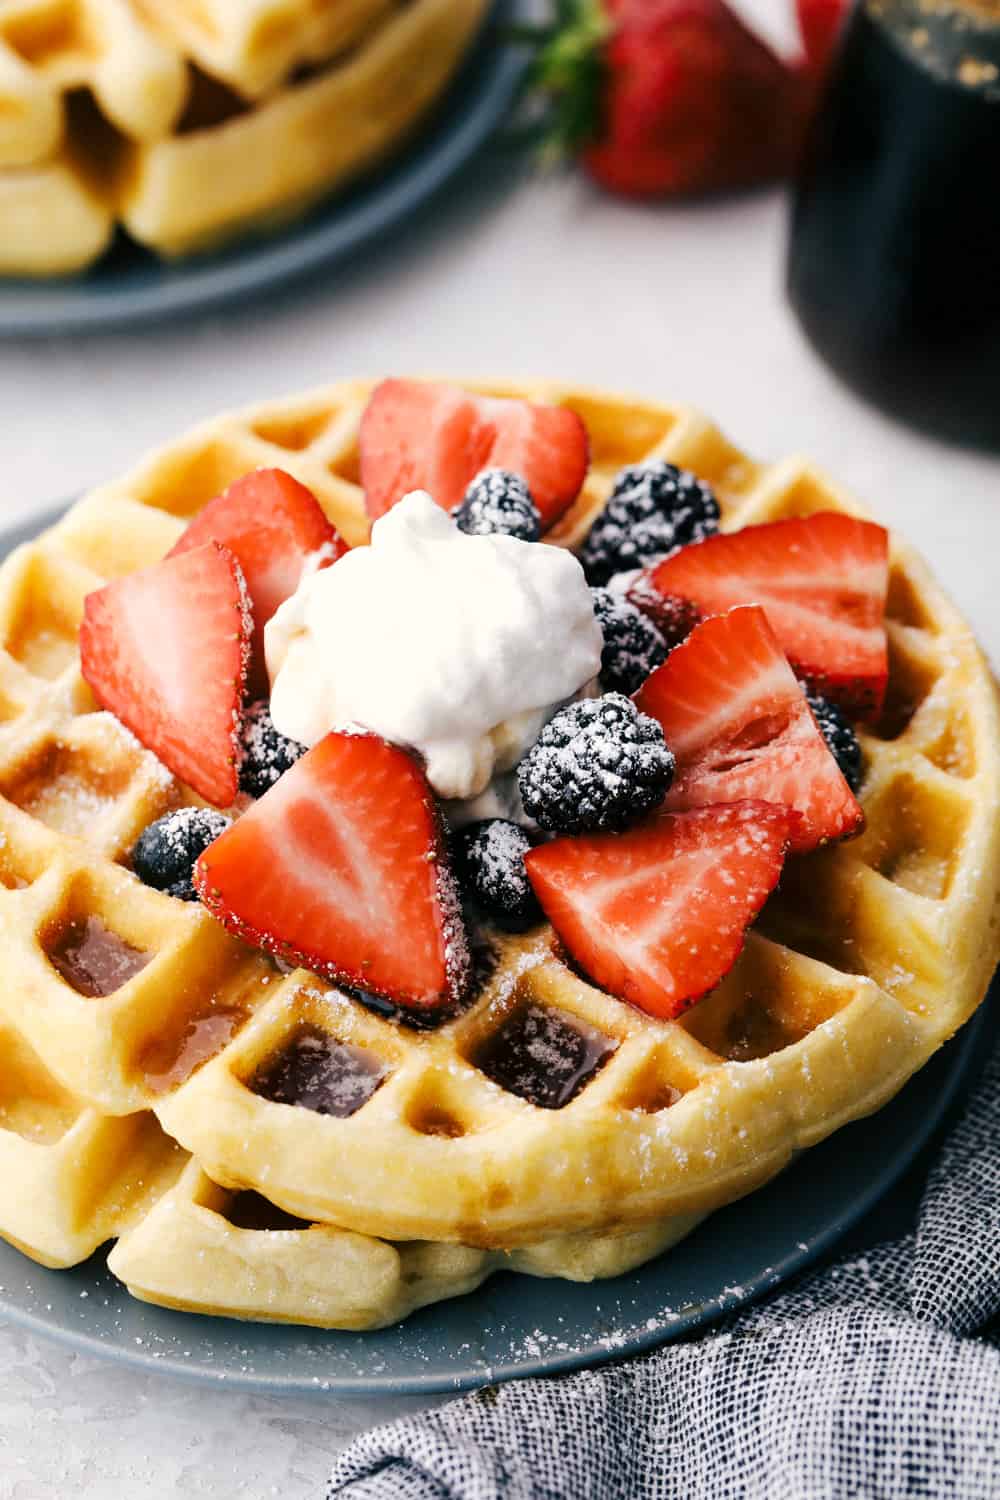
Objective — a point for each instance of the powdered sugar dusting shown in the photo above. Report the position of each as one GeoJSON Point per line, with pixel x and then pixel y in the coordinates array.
{"type": "Point", "coordinates": [544, 1055]}
{"type": "Point", "coordinates": [246, 647]}
{"type": "Point", "coordinates": [457, 958]}
{"type": "Point", "coordinates": [633, 645]}
{"type": "Point", "coordinates": [599, 764]}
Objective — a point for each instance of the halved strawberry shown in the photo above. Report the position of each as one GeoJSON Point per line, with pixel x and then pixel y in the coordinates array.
{"type": "Point", "coordinates": [342, 867]}
{"type": "Point", "coordinates": [421, 435]}
{"type": "Point", "coordinates": [274, 526]}
{"type": "Point", "coordinates": [739, 725]}
{"type": "Point", "coordinates": [823, 581]}
{"type": "Point", "coordinates": [659, 914]}
{"type": "Point", "coordinates": [166, 650]}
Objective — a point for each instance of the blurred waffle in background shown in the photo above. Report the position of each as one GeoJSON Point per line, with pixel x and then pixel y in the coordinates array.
{"type": "Point", "coordinates": [188, 123]}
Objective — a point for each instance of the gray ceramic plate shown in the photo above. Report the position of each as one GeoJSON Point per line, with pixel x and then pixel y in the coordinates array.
{"type": "Point", "coordinates": [515, 1325]}
{"type": "Point", "coordinates": [130, 286]}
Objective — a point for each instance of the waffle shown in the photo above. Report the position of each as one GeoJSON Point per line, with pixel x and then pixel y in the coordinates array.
{"type": "Point", "coordinates": [53, 221]}
{"type": "Point", "coordinates": [253, 45]}
{"type": "Point", "coordinates": [191, 124]}
{"type": "Point", "coordinates": [869, 957]}
{"type": "Point", "coordinates": [51, 49]}
{"type": "Point", "coordinates": [72, 1177]}
{"type": "Point", "coordinates": [268, 165]}
{"type": "Point", "coordinates": [205, 1249]}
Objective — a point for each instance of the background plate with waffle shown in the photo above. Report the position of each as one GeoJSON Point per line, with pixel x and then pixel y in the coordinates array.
{"type": "Point", "coordinates": [174, 128]}
{"type": "Point", "coordinates": [862, 965]}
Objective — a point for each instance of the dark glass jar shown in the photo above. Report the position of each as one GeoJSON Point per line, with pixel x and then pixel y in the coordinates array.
{"type": "Point", "coordinates": [894, 260]}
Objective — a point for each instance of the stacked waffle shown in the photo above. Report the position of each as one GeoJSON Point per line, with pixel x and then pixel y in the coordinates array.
{"type": "Point", "coordinates": [154, 1088]}
{"type": "Point", "coordinates": [188, 124]}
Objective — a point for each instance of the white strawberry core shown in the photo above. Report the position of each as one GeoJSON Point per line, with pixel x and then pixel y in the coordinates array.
{"type": "Point", "coordinates": [775, 23]}
{"type": "Point", "coordinates": [458, 646]}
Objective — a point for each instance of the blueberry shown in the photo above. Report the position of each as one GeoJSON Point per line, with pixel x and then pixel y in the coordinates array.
{"type": "Point", "coordinates": [166, 852]}
{"type": "Point", "coordinates": [654, 509]}
{"type": "Point", "coordinates": [633, 645]}
{"type": "Point", "coordinates": [499, 503]}
{"type": "Point", "coordinates": [489, 860]}
{"type": "Point", "coordinates": [267, 755]}
{"type": "Point", "coordinates": [597, 765]}
{"type": "Point", "coordinates": [840, 737]}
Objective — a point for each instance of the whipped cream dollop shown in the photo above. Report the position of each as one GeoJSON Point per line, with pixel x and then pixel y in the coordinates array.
{"type": "Point", "coordinates": [458, 646]}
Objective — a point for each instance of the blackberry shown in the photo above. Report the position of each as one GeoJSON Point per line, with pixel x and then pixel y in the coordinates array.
{"type": "Point", "coordinates": [597, 765]}
{"type": "Point", "coordinates": [654, 509]}
{"type": "Point", "coordinates": [633, 646]}
{"type": "Point", "coordinates": [498, 502]}
{"type": "Point", "coordinates": [165, 854]}
{"type": "Point", "coordinates": [840, 737]}
{"type": "Point", "coordinates": [674, 617]}
{"type": "Point", "coordinates": [267, 755]}
{"type": "Point", "coordinates": [489, 859]}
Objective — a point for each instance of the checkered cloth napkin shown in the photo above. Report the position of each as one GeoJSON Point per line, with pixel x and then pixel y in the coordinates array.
{"type": "Point", "coordinates": [876, 1378]}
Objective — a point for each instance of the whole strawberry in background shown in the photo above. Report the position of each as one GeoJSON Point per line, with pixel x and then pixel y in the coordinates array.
{"type": "Point", "coordinates": [674, 97]}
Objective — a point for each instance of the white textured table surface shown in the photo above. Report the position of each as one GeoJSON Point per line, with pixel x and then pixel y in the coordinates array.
{"type": "Point", "coordinates": [507, 277]}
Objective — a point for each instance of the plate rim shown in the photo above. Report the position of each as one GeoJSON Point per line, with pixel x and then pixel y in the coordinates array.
{"type": "Point", "coordinates": [330, 235]}
{"type": "Point", "coordinates": [942, 1077]}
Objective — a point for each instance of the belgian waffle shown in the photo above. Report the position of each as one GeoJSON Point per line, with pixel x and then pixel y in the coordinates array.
{"type": "Point", "coordinates": [870, 956]}
{"type": "Point", "coordinates": [188, 124]}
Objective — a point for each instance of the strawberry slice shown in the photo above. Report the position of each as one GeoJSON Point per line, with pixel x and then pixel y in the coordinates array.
{"type": "Point", "coordinates": [342, 867]}
{"type": "Point", "coordinates": [823, 581]}
{"type": "Point", "coordinates": [166, 650]}
{"type": "Point", "coordinates": [274, 526]}
{"type": "Point", "coordinates": [739, 725]}
{"type": "Point", "coordinates": [421, 435]}
{"type": "Point", "coordinates": [659, 914]}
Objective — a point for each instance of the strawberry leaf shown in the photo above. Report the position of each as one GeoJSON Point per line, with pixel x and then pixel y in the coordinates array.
{"type": "Point", "coordinates": [568, 72]}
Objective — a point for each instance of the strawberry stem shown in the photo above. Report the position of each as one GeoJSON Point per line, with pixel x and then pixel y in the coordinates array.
{"type": "Point", "coordinates": [568, 70]}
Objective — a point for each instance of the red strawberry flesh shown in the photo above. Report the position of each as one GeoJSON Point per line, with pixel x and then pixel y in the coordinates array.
{"type": "Point", "coordinates": [822, 580]}
{"type": "Point", "coordinates": [342, 867]}
{"type": "Point", "coordinates": [274, 526]}
{"type": "Point", "coordinates": [658, 915]}
{"type": "Point", "coordinates": [166, 651]}
{"type": "Point", "coordinates": [820, 22]}
{"type": "Point", "coordinates": [423, 435]}
{"type": "Point", "coordinates": [739, 725]}
{"type": "Point", "coordinates": [693, 102]}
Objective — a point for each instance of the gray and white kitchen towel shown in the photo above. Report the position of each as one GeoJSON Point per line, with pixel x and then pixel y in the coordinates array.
{"type": "Point", "coordinates": [877, 1378]}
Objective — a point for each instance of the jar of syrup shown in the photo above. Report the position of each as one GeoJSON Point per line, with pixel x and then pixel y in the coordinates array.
{"type": "Point", "coordinates": [894, 259]}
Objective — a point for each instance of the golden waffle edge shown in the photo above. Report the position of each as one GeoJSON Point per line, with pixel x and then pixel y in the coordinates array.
{"type": "Point", "coordinates": [871, 955]}
{"type": "Point", "coordinates": [254, 45]}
